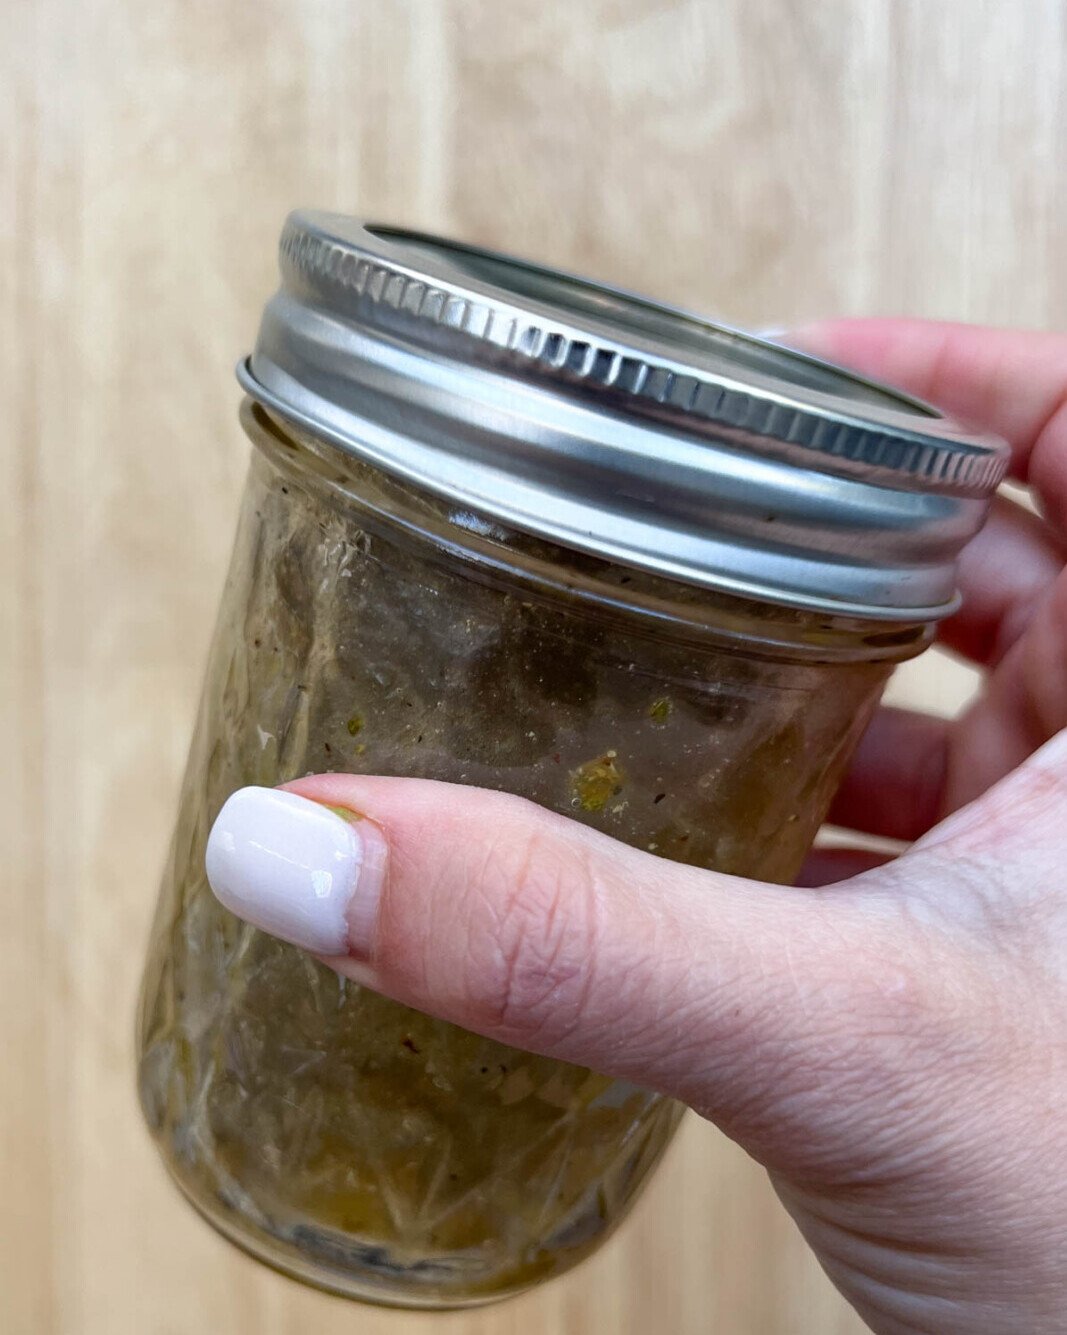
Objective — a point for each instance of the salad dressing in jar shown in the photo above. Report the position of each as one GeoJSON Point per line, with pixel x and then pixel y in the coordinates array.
{"type": "Point", "coordinates": [508, 528]}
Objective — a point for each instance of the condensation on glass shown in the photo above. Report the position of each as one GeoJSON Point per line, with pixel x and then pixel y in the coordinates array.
{"type": "Point", "coordinates": [371, 623]}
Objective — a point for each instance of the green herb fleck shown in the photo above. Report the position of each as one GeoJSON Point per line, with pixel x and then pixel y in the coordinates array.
{"type": "Point", "coordinates": [659, 711]}
{"type": "Point", "coordinates": [354, 724]}
{"type": "Point", "coordinates": [596, 782]}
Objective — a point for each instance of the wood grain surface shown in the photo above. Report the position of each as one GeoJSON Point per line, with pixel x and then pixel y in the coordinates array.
{"type": "Point", "coordinates": [765, 160]}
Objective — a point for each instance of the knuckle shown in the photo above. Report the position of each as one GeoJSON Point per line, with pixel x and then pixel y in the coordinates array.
{"type": "Point", "coordinates": [533, 939]}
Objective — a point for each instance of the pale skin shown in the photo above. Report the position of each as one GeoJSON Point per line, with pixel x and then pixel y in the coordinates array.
{"type": "Point", "coordinates": [892, 1047]}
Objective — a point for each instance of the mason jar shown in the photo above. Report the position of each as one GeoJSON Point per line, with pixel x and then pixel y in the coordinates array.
{"type": "Point", "coordinates": [509, 528]}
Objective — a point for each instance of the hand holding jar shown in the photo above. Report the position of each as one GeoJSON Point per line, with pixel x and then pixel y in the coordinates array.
{"type": "Point", "coordinates": [890, 1046]}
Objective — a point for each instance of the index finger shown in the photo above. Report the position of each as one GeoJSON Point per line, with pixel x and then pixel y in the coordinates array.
{"type": "Point", "coordinates": [1009, 381]}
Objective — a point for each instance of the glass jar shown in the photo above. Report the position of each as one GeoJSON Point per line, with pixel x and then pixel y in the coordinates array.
{"type": "Point", "coordinates": [493, 561]}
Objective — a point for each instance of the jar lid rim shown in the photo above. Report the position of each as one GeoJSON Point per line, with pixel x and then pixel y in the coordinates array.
{"type": "Point", "coordinates": [483, 376]}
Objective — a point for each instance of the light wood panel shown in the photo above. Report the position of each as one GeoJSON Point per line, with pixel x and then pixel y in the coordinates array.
{"type": "Point", "coordinates": [763, 159]}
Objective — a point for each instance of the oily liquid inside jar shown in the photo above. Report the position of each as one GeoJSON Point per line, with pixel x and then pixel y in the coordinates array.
{"type": "Point", "coordinates": [368, 627]}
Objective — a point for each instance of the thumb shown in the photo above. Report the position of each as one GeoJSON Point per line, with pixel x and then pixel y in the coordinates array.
{"type": "Point", "coordinates": [488, 911]}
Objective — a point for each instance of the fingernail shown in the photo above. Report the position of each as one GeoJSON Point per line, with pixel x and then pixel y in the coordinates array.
{"type": "Point", "coordinates": [297, 870]}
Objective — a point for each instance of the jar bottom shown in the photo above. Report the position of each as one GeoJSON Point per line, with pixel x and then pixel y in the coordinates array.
{"type": "Point", "coordinates": [342, 1265]}
{"type": "Point", "coordinates": [367, 1284]}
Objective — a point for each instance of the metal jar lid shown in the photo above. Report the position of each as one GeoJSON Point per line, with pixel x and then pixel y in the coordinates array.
{"type": "Point", "coordinates": [617, 426]}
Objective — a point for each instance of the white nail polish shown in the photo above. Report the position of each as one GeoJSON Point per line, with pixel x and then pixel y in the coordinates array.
{"type": "Point", "coordinates": [286, 865]}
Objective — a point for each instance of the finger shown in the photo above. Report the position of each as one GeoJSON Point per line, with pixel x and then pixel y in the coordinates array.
{"type": "Point", "coordinates": [511, 921]}
{"type": "Point", "coordinates": [1013, 383]}
{"type": "Point", "coordinates": [910, 769]}
{"type": "Point", "coordinates": [1023, 705]}
{"type": "Point", "coordinates": [895, 785]}
{"type": "Point", "coordinates": [1003, 575]}
{"type": "Point", "coordinates": [1007, 381]}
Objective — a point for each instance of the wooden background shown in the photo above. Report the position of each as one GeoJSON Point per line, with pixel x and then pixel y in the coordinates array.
{"type": "Point", "coordinates": [766, 160]}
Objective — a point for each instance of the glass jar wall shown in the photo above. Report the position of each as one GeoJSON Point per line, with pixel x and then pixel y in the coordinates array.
{"type": "Point", "coordinates": [369, 627]}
